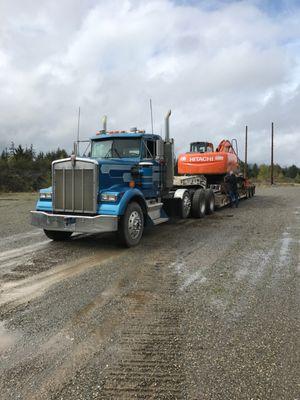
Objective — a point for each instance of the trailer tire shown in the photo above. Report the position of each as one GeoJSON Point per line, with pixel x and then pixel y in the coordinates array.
{"type": "Point", "coordinates": [209, 201]}
{"type": "Point", "coordinates": [185, 205]}
{"type": "Point", "coordinates": [57, 236]}
{"type": "Point", "coordinates": [198, 204]}
{"type": "Point", "coordinates": [131, 225]}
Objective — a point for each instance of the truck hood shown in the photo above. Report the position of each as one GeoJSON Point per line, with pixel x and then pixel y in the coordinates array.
{"type": "Point", "coordinates": [115, 172]}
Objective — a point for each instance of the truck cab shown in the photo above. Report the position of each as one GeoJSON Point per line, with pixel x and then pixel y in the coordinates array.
{"type": "Point", "coordinates": [92, 194]}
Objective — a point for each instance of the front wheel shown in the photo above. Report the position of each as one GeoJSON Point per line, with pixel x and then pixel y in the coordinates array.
{"type": "Point", "coordinates": [131, 225]}
{"type": "Point", "coordinates": [57, 236]}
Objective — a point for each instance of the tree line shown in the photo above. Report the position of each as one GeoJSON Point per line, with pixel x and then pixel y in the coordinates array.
{"type": "Point", "coordinates": [262, 173]}
{"type": "Point", "coordinates": [22, 169]}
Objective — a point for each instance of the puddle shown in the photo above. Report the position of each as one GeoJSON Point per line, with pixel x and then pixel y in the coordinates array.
{"type": "Point", "coordinates": [34, 286]}
{"type": "Point", "coordinates": [7, 339]}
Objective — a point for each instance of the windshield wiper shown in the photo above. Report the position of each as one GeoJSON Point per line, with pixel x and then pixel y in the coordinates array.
{"type": "Point", "coordinates": [106, 155]}
{"type": "Point", "coordinates": [116, 151]}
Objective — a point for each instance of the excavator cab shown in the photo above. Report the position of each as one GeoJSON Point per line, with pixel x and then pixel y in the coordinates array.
{"type": "Point", "coordinates": [201, 147]}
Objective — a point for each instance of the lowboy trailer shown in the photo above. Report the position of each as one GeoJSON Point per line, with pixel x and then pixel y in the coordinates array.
{"type": "Point", "coordinates": [125, 184]}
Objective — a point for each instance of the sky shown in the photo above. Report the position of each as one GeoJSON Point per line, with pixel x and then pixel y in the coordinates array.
{"type": "Point", "coordinates": [219, 65]}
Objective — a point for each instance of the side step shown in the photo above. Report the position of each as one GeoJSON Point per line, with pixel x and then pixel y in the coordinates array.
{"type": "Point", "coordinates": [154, 210]}
{"type": "Point", "coordinates": [155, 213]}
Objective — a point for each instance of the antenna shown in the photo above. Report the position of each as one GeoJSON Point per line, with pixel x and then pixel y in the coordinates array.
{"type": "Point", "coordinates": [78, 129]}
{"type": "Point", "coordinates": [151, 115]}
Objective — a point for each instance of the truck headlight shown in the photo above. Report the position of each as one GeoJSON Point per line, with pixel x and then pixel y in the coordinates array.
{"type": "Point", "coordinates": [46, 196]}
{"type": "Point", "coordinates": [109, 197]}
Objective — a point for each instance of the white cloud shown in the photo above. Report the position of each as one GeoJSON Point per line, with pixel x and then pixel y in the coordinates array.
{"type": "Point", "coordinates": [218, 69]}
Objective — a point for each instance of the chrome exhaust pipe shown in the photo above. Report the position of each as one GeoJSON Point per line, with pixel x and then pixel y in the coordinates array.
{"type": "Point", "coordinates": [167, 126]}
{"type": "Point", "coordinates": [104, 124]}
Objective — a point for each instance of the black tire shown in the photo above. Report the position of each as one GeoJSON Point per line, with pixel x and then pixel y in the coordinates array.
{"type": "Point", "coordinates": [209, 201]}
{"type": "Point", "coordinates": [131, 225]}
{"type": "Point", "coordinates": [185, 206]}
{"type": "Point", "coordinates": [58, 236]}
{"type": "Point", "coordinates": [198, 204]}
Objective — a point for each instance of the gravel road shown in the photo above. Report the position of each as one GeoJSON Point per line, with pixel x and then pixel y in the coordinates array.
{"type": "Point", "coordinates": [201, 309]}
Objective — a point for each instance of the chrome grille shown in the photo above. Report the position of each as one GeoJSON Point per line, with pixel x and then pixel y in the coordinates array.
{"type": "Point", "coordinates": [75, 186]}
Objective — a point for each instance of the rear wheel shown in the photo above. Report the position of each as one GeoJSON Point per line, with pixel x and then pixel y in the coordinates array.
{"type": "Point", "coordinates": [209, 201]}
{"type": "Point", "coordinates": [131, 225]}
{"type": "Point", "coordinates": [198, 204]}
{"type": "Point", "coordinates": [185, 206]}
{"type": "Point", "coordinates": [57, 236]}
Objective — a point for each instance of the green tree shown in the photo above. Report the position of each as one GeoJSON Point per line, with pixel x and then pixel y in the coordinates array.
{"type": "Point", "coordinates": [263, 172]}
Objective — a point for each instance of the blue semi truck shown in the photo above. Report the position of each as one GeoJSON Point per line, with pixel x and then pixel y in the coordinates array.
{"type": "Point", "coordinates": [125, 184]}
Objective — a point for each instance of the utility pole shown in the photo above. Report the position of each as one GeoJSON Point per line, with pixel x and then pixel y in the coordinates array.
{"type": "Point", "coordinates": [246, 153]}
{"type": "Point", "coordinates": [272, 153]}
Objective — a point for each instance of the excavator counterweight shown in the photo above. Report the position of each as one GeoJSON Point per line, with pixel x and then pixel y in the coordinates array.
{"type": "Point", "coordinates": [202, 159]}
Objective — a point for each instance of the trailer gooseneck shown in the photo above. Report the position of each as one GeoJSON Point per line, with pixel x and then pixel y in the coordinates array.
{"type": "Point", "coordinates": [126, 183]}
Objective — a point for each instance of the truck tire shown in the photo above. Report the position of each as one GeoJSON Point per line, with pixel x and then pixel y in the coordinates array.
{"type": "Point", "coordinates": [209, 201]}
{"type": "Point", "coordinates": [57, 236]}
{"type": "Point", "coordinates": [198, 204]}
{"type": "Point", "coordinates": [185, 206]}
{"type": "Point", "coordinates": [131, 225]}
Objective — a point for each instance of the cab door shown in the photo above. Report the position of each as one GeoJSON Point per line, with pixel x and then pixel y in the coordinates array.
{"type": "Point", "coordinates": [150, 169]}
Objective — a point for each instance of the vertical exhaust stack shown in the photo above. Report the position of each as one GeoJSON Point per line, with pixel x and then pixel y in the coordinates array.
{"type": "Point", "coordinates": [169, 154]}
{"type": "Point", "coordinates": [167, 126]}
{"type": "Point", "coordinates": [104, 124]}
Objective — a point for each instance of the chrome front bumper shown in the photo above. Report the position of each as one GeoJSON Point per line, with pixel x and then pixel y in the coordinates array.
{"type": "Point", "coordinates": [74, 223]}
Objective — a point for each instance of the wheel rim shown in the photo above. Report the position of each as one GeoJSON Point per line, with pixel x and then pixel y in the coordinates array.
{"type": "Point", "coordinates": [187, 204]}
{"type": "Point", "coordinates": [134, 225]}
{"type": "Point", "coordinates": [212, 204]}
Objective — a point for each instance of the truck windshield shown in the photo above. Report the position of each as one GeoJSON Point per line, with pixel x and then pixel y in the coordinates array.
{"type": "Point", "coordinates": [116, 148]}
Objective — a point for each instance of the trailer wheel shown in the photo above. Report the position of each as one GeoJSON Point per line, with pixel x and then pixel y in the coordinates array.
{"type": "Point", "coordinates": [57, 236]}
{"type": "Point", "coordinates": [185, 206]}
{"type": "Point", "coordinates": [131, 225]}
{"type": "Point", "coordinates": [209, 201]}
{"type": "Point", "coordinates": [198, 204]}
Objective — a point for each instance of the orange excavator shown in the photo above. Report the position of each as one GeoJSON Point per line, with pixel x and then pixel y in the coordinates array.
{"type": "Point", "coordinates": [202, 159]}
